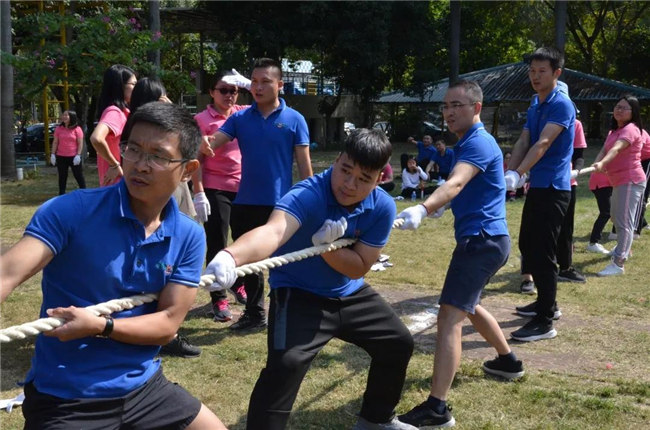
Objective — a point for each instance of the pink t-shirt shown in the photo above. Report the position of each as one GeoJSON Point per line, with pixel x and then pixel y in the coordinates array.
{"type": "Point", "coordinates": [67, 139]}
{"type": "Point", "coordinates": [625, 168]}
{"type": "Point", "coordinates": [598, 180]}
{"type": "Point", "coordinates": [579, 142]}
{"type": "Point", "coordinates": [115, 119]}
{"type": "Point", "coordinates": [645, 150]}
{"type": "Point", "coordinates": [223, 171]}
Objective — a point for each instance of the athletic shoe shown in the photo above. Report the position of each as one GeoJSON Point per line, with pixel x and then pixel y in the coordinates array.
{"type": "Point", "coordinates": [612, 236]}
{"type": "Point", "coordinates": [612, 269]}
{"type": "Point", "coordinates": [529, 311]}
{"type": "Point", "coordinates": [504, 368]}
{"type": "Point", "coordinates": [221, 311]}
{"type": "Point", "coordinates": [571, 275]}
{"type": "Point", "coordinates": [246, 322]}
{"type": "Point", "coordinates": [527, 287]}
{"type": "Point", "coordinates": [240, 294]}
{"type": "Point", "coordinates": [535, 329]}
{"type": "Point", "coordinates": [180, 347]}
{"type": "Point", "coordinates": [597, 248]}
{"type": "Point", "coordinates": [394, 424]}
{"type": "Point", "coordinates": [637, 236]}
{"type": "Point", "coordinates": [423, 416]}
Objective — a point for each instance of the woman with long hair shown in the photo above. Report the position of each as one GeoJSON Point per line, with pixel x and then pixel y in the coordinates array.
{"type": "Point", "coordinates": [67, 147]}
{"type": "Point", "coordinates": [113, 108]}
{"type": "Point", "coordinates": [620, 159]}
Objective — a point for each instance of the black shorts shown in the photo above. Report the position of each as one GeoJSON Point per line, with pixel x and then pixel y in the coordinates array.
{"type": "Point", "coordinates": [158, 404]}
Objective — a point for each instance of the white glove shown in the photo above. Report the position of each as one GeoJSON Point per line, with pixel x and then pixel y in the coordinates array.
{"type": "Point", "coordinates": [412, 217]}
{"type": "Point", "coordinates": [237, 80]}
{"type": "Point", "coordinates": [512, 180]}
{"type": "Point", "coordinates": [53, 159]}
{"type": "Point", "coordinates": [222, 267]}
{"type": "Point", "coordinates": [439, 212]}
{"type": "Point", "coordinates": [575, 173]}
{"type": "Point", "coordinates": [202, 207]}
{"type": "Point", "coordinates": [76, 160]}
{"type": "Point", "coordinates": [330, 231]}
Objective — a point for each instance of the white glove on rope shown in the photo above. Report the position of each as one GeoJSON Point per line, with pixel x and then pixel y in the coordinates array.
{"type": "Point", "coordinates": [575, 173]}
{"type": "Point", "coordinates": [330, 231]}
{"type": "Point", "coordinates": [439, 212]}
{"type": "Point", "coordinates": [412, 217]}
{"type": "Point", "coordinates": [222, 267]}
{"type": "Point", "coordinates": [53, 159]}
{"type": "Point", "coordinates": [514, 180]}
{"type": "Point", "coordinates": [76, 160]}
{"type": "Point", "coordinates": [237, 80]}
{"type": "Point", "coordinates": [202, 207]}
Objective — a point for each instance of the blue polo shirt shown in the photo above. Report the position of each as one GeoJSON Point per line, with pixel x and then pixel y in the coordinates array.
{"type": "Point", "coordinates": [424, 152]}
{"type": "Point", "coordinates": [100, 254]}
{"type": "Point", "coordinates": [554, 168]}
{"type": "Point", "coordinates": [445, 161]}
{"type": "Point", "coordinates": [481, 203]}
{"type": "Point", "coordinates": [267, 148]}
{"type": "Point", "coordinates": [311, 202]}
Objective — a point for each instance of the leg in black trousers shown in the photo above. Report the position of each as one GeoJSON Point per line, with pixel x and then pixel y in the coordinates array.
{"type": "Point", "coordinates": [565, 239]}
{"type": "Point", "coordinates": [62, 165]}
{"type": "Point", "coordinates": [78, 173]}
{"type": "Point", "coordinates": [640, 220]}
{"type": "Point", "coordinates": [603, 200]}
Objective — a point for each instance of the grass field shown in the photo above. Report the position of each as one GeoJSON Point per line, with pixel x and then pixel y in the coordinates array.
{"type": "Point", "coordinates": [594, 375]}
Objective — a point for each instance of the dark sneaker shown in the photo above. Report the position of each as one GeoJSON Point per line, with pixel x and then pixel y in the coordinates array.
{"type": "Point", "coordinates": [221, 311]}
{"type": "Point", "coordinates": [423, 416]}
{"type": "Point", "coordinates": [180, 347]}
{"type": "Point", "coordinates": [246, 322]}
{"type": "Point", "coordinates": [394, 424]}
{"type": "Point", "coordinates": [570, 275]}
{"type": "Point", "coordinates": [240, 294]}
{"type": "Point", "coordinates": [529, 311]}
{"type": "Point", "coordinates": [527, 287]}
{"type": "Point", "coordinates": [504, 368]}
{"type": "Point", "coordinates": [533, 330]}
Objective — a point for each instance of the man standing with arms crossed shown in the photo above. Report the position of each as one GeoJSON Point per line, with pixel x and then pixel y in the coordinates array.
{"type": "Point", "coordinates": [544, 149]}
{"type": "Point", "coordinates": [269, 134]}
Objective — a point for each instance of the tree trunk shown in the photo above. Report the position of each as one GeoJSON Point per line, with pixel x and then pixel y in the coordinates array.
{"type": "Point", "coordinates": [154, 26]}
{"type": "Point", "coordinates": [8, 163]}
{"type": "Point", "coordinates": [560, 24]}
{"type": "Point", "coordinates": [454, 51]}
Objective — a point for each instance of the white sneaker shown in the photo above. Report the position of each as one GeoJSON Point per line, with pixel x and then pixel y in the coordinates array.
{"type": "Point", "coordinates": [597, 248]}
{"type": "Point", "coordinates": [612, 236]}
{"type": "Point", "coordinates": [612, 269]}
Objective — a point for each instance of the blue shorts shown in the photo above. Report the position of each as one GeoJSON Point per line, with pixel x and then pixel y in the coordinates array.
{"type": "Point", "coordinates": [474, 261]}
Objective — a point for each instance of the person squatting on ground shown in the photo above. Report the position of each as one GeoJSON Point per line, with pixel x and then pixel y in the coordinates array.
{"type": "Point", "coordinates": [325, 297]}
{"type": "Point", "coordinates": [620, 159]}
{"type": "Point", "coordinates": [67, 148]}
{"type": "Point", "coordinates": [425, 151]}
{"type": "Point", "coordinates": [113, 108]}
{"type": "Point", "coordinates": [441, 161]}
{"type": "Point", "coordinates": [412, 179]}
{"type": "Point", "coordinates": [269, 134]}
{"type": "Point", "coordinates": [111, 378]}
{"type": "Point", "coordinates": [544, 149]}
{"type": "Point", "coordinates": [216, 184]}
{"type": "Point", "coordinates": [475, 190]}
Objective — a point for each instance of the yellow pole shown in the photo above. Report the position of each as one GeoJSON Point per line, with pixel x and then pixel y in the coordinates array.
{"type": "Point", "coordinates": [46, 117]}
{"type": "Point", "coordinates": [66, 101]}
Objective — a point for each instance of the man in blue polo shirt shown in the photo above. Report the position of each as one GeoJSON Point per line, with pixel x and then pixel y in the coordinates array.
{"type": "Point", "coordinates": [269, 134]}
{"type": "Point", "coordinates": [441, 161]}
{"type": "Point", "coordinates": [107, 243]}
{"type": "Point", "coordinates": [475, 190]}
{"type": "Point", "coordinates": [544, 149]}
{"type": "Point", "coordinates": [425, 151]}
{"type": "Point", "coordinates": [319, 298]}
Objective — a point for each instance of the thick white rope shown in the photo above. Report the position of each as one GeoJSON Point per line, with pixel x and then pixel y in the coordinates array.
{"type": "Point", "coordinates": [45, 324]}
{"type": "Point", "coordinates": [580, 172]}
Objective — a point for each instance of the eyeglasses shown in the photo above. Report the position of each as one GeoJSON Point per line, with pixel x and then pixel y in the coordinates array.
{"type": "Point", "coordinates": [622, 108]}
{"type": "Point", "coordinates": [134, 154]}
{"type": "Point", "coordinates": [456, 106]}
{"type": "Point", "coordinates": [225, 91]}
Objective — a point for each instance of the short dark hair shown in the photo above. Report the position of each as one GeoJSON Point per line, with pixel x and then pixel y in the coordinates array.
{"type": "Point", "coordinates": [636, 111]}
{"type": "Point", "coordinates": [145, 91]}
{"type": "Point", "coordinates": [115, 77]}
{"type": "Point", "coordinates": [472, 89]}
{"type": "Point", "coordinates": [553, 56]}
{"type": "Point", "coordinates": [265, 63]}
{"type": "Point", "coordinates": [74, 120]}
{"type": "Point", "coordinates": [219, 76]}
{"type": "Point", "coordinates": [369, 148]}
{"type": "Point", "coordinates": [172, 119]}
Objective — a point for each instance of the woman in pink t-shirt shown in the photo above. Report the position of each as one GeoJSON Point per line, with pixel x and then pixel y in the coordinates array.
{"type": "Point", "coordinates": [217, 182]}
{"type": "Point", "coordinates": [113, 107]}
{"type": "Point", "coordinates": [67, 146]}
{"type": "Point", "coordinates": [620, 159]}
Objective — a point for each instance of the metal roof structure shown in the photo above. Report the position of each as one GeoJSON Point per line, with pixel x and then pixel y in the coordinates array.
{"type": "Point", "coordinates": [509, 83]}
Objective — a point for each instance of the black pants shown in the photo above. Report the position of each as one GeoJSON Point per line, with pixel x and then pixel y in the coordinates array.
{"type": "Point", "coordinates": [640, 220]}
{"type": "Point", "coordinates": [216, 228]}
{"type": "Point", "coordinates": [62, 165]}
{"type": "Point", "coordinates": [541, 220]}
{"type": "Point", "coordinates": [565, 239]}
{"type": "Point", "coordinates": [243, 219]}
{"type": "Point", "coordinates": [603, 200]}
{"type": "Point", "coordinates": [301, 324]}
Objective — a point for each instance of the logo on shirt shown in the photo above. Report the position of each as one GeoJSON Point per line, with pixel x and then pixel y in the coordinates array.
{"type": "Point", "coordinates": [167, 268]}
{"type": "Point", "coordinates": [280, 125]}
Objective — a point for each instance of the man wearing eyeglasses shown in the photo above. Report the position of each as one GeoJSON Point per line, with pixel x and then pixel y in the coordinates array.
{"type": "Point", "coordinates": [270, 134]}
{"type": "Point", "coordinates": [108, 243]}
{"type": "Point", "coordinates": [544, 150]}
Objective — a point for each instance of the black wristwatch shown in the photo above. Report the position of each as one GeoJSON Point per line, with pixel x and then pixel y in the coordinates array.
{"type": "Point", "coordinates": [108, 328]}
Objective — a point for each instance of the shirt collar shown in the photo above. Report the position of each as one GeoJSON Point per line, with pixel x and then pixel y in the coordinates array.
{"type": "Point", "coordinates": [214, 113]}
{"type": "Point", "coordinates": [366, 204]}
{"type": "Point", "coordinates": [473, 129]}
{"type": "Point", "coordinates": [281, 107]}
{"type": "Point", "coordinates": [169, 212]}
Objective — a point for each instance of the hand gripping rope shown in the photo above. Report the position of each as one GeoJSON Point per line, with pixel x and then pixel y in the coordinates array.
{"type": "Point", "coordinates": [45, 324]}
